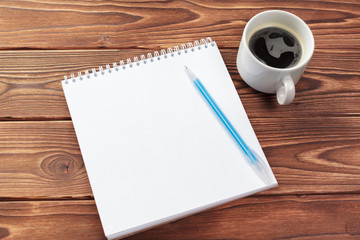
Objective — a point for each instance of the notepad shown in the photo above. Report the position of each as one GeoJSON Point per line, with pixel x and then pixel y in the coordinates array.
{"type": "Point", "coordinates": [153, 149]}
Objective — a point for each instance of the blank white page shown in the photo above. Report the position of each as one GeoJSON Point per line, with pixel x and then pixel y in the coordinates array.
{"type": "Point", "coordinates": [153, 148]}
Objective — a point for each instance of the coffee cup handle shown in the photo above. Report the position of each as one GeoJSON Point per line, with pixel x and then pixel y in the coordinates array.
{"type": "Point", "coordinates": [285, 93]}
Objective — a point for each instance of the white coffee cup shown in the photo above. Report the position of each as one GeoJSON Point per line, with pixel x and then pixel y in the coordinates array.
{"type": "Point", "coordinates": [268, 79]}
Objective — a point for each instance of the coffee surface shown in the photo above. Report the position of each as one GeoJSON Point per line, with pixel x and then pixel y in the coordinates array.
{"type": "Point", "coordinates": [275, 47]}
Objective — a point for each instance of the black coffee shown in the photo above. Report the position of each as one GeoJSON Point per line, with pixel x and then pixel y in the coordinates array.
{"type": "Point", "coordinates": [275, 47]}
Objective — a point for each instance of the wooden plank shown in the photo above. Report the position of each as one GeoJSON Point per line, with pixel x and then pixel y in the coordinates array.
{"type": "Point", "coordinates": [30, 85]}
{"type": "Point", "coordinates": [36, 220]}
{"type": "Point", "coordinates": [286, 217]}
{"type": "Point", "coordinates": [62, 24]}
{"type": "Point", "coordinates": [332, 217]}
{"type": "Point", "coordinates": [42, 160]}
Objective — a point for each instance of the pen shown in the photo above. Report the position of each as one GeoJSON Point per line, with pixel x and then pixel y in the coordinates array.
{"type": "Point", "coordinates": [255, 161]}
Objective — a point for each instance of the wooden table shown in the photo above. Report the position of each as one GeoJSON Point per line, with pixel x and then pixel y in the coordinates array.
{"type": "Point", "coordinates": [313, 145]}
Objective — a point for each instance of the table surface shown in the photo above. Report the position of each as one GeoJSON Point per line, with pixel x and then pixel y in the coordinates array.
{"type": "Point", "coordinates": [313, 145]}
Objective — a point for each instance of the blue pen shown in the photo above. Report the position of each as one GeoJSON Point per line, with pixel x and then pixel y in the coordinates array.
{"type": "Point", "coordinates": [255, 161]}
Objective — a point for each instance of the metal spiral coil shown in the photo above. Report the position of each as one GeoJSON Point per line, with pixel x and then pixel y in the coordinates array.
{"type": "Point", "coordinates": [144, 59]}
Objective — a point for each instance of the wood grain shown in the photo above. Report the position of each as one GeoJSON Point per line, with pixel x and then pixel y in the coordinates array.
{"type": "Point", "coordinates": [313, 145]}
{"type": "Point", "coordinates": [63, 24]}
{"type": "Point", "coordinates": [35, 220]}
{"type": "Point", "coordinates": [332, 217]}
{"type": "Point", "coordinates": [42, 160]}
{"type": "Point", "coordinates": [30, 85]}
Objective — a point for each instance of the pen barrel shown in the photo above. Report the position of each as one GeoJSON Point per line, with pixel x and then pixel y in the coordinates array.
{"type": "Point", "coordinates": [255, 161]}
{"type": "Point", "coordinates": [250, 156]}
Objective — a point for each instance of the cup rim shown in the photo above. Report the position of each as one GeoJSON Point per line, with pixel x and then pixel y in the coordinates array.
{"type": "Point", "coordinates": [303, 63]}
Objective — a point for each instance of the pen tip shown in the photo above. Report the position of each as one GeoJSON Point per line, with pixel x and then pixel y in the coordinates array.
{"type": "Point", "coordinates": [186, 68]}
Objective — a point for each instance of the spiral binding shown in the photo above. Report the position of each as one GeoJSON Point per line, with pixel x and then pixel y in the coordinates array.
{"type": "Point", "coordinates": [156, 56]}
